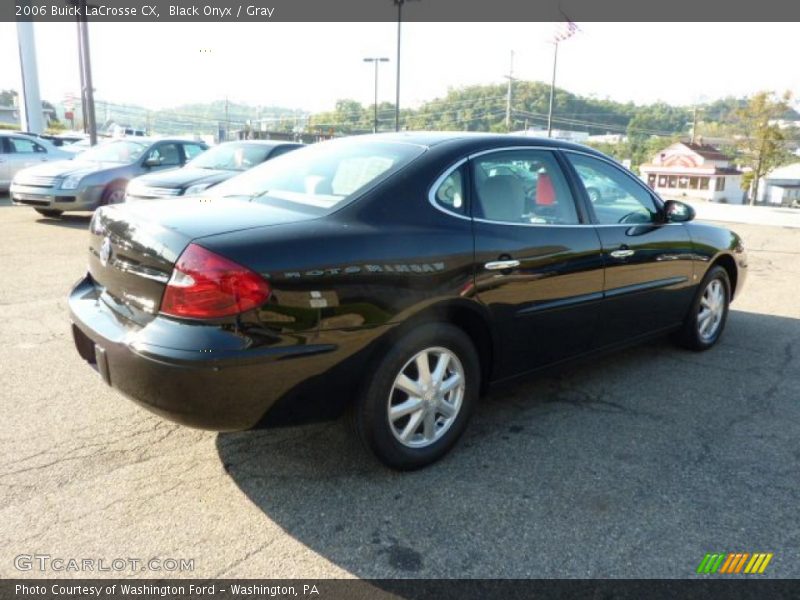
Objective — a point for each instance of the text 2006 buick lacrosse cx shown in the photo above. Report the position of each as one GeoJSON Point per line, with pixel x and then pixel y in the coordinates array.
{"type": "Point", "coordinates": [398, 275]}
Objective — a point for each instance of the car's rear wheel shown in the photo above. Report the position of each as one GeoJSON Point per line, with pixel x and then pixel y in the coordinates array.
{"type": "Point", "coordinates": [49, 212]}
{"type": "Point", "coordinates": [418, 403]}
{"type": "Point", "coordinates": [705, 322]}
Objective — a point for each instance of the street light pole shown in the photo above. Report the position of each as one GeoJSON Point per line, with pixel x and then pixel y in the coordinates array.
{"type": "Point", "coordinates": [552, 92]}
{"type": "Point", "coordinates": [399, 4]}
{"type": "Point", "coordinates": [376, 60]}
{"type": "Point", "coordinates": [510, 77]}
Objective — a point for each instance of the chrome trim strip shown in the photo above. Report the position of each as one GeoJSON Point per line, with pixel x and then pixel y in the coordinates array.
{"type": "Point", "coordinates": [643, 287]}
{"type": "Point", "coordinates": [560, 303]}
{"type": "Point", "coordinates": [127, 267]}
{"type": "Point", "coordinates": [439, 180]}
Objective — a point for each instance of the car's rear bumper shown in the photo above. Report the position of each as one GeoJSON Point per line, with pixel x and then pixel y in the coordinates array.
{"type": "Point", "coordinates": [84, 198]}
{"type": "Point", "coordinates": [211, 380]}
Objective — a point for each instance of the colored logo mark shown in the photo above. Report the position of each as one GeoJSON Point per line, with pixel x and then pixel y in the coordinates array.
{"type": "Point", "coordinates": [734, 562]}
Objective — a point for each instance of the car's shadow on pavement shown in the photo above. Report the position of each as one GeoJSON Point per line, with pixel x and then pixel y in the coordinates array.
{"type": "Point", "coordinates": [72, 221]}
{"type": "Point", "coordinates": [653, 452]}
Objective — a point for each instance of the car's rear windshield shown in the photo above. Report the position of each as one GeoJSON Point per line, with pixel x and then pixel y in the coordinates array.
{"type": "Point", "coordinates": [324, 175]}
{"type": "Point", "coordinates": [234, 156]}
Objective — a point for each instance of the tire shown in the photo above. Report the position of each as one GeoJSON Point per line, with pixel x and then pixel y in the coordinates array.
{"type": "Point", "coordinates": [715, 290]}
{"type": "Point", "coordinates": [49, 212]}
{"type": "Point", "coordinates": [113, 194]}
{"type": "Point", "coordinates": [442, 414]}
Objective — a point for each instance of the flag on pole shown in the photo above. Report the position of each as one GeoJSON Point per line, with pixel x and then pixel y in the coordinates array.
{"type": "Point", "coordinates": [565, 30]}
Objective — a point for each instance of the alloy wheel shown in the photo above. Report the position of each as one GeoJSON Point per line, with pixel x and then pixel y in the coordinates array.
{"type": "Point", "coordinates": [711, 310]}
{"type": "Point", "coordinates": [426, 397]}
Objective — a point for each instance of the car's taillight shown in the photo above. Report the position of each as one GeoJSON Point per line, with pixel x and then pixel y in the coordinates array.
{"type": "Point", "coordinates": [205, 285]}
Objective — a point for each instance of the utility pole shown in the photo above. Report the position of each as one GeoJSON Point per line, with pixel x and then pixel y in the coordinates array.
{"type": "Point", "coordinates": [552, 91]}
{"type": "Point", "coordinates": [227, 122]}
{"type": "Point", "coordinates": [87, 91]}
{"type": "Point", "coordinates": [510, 78]}
{"type": "Point", "coordinates": [31, 105]}
{"type": "Point", "coordinates": [694, 125]}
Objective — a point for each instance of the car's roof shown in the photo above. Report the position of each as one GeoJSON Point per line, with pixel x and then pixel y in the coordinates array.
{"type": "Point", "coordinates": [470, 138]}
{"type": "Point", "coordinates": [269, 143]}
{"type": "Point", "coordinates": [150, 140]}
{"type": "Point", "coordinates": [25, 134]}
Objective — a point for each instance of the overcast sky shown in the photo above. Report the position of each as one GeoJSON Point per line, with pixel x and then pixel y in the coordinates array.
{"type": "Point", "coordinates": [311, 65]}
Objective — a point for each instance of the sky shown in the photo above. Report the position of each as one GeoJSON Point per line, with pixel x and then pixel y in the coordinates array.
{"type": "Point", "coordinates": [311, 65]}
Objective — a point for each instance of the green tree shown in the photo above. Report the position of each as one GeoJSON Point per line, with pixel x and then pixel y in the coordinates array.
{"type": "Point", "coordinates": [761, 143]}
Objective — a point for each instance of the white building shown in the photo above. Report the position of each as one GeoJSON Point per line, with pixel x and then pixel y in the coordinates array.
{"type": "Point", "coordinates": [694, 171]}
{"type": "Point", "coordinates": [781, 186]}
{"type": "Point", "coordinates": [614, 139]}
{"type": "Point", "coordinates": [10, 115]}
{"type": "Point", "coordinates": [580, 137]}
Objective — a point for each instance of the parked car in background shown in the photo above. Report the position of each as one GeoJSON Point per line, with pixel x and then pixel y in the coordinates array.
{"type": "Point", "coordinates": [397, 275]}
{"type": "Point", "coordinates": [598, 188]}
{"type": "Point", "coordinates": [19, 151]}
{"type": "Point", "coordinates": [99, 175]}
{"type": "Point", "coordinates": [67, 139]}
{"type": "Point", "coordinates": [59, 139]}
{"type": "Point", "coordinates": [79, 146]}
{"type": "Point", "coordinates": [210, 168]}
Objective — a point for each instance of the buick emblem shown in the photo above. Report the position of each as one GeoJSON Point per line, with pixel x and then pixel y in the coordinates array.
{"type": "Point", "coordinates": [105, 252]}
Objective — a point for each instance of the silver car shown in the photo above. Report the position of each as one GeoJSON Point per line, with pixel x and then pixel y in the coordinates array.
{"type": "Point", "coordinates": [98, 176]}
{"type": "Point", "coordinates": [18, 151]}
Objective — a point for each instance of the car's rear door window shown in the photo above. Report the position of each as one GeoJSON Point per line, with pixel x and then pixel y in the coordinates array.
{"type": "Point", "coordinates": [525, 186]}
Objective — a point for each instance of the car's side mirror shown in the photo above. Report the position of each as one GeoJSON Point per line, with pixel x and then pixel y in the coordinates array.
{"type": "Point", "coordinates": [152, 162]}
{"type": "Point", "coordinates": [677, 212]}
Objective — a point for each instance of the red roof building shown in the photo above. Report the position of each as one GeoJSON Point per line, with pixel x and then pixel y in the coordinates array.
{"type": "Point", "coordinates": [694, 171]}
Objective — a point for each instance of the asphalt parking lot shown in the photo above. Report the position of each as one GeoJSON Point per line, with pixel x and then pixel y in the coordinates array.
{"type": "Point", "coordinates": [633, 465]}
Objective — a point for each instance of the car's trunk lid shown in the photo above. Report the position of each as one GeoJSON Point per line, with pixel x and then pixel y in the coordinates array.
{"type": "Point", "coordinates": [134, 247]}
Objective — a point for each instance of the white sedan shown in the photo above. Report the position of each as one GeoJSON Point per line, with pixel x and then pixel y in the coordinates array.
{"type": "Point", "coordinates": [18, 151]}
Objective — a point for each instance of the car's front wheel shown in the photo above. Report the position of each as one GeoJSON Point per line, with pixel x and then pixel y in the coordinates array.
{"type": "Point", "coordinates": [705, 322]}
{"type": "Point", "coordinates": [113, 194]}
{"type": "Point", "coordinates": [418, 402]}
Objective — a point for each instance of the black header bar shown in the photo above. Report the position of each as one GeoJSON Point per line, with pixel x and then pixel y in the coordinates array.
{"type": "Point", "coordinates": [149, 11]}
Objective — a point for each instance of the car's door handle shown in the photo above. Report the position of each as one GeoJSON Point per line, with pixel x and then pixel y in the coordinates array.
{"type": "Point", "coordinates": [622, 253]}
{"type": "Point", "coordinates": [501, 265]}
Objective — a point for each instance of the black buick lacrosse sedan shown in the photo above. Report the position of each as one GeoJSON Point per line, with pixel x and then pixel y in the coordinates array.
{"type": "Point", "coordinates": [394, 275]}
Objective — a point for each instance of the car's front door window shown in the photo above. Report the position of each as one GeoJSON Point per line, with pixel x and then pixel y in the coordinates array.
{"type": "Point", "coordinates": [615, 196]}
{"type": "Point", "coordinates": [166, 155]}
{"type": "Point", "coordinates": [23, 146]}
